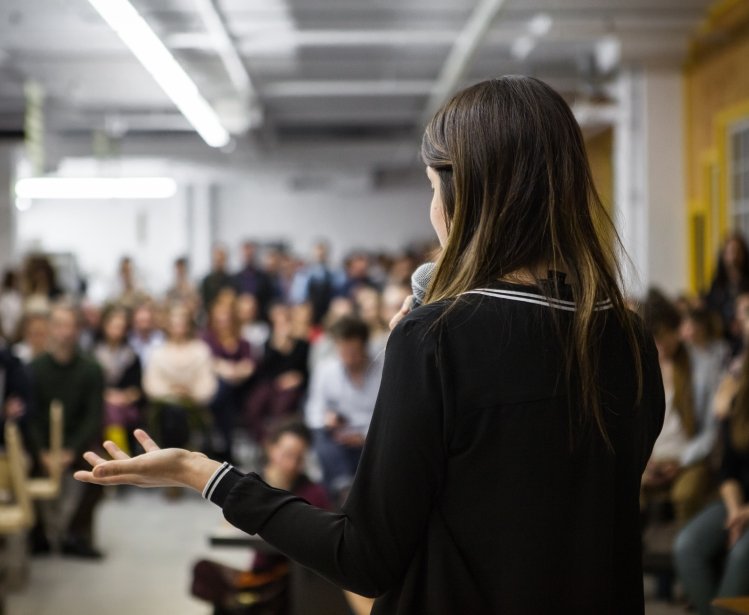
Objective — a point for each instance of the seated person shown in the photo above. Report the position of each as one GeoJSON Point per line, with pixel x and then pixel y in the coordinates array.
{"type": "Point", "coordinates": [281, 377]}
{"type": "Point", "coordinates": [179, 381]}
{"type": "Point", "coordinates": [285, 456]}
{"type": "Point", "coordinates": [233, 366]}
{"type": "Point", "coordinates": [712, 551]}
{"type": "Point", "coordinates": [341, 401]}
{"type": "Point", "coordinates": [123, 393]}
{"type": "Point", "coordinates": [678, 464]}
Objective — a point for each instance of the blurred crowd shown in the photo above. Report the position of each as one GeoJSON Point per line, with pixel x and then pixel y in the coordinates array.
{"type": "Point", "coordinates": [231, 356]}
{"type": "Point", "coordinates": [286, 354]}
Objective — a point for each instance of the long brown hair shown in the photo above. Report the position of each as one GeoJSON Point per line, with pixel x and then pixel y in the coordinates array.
{"type": "Point", "coordinates": [518, 194]}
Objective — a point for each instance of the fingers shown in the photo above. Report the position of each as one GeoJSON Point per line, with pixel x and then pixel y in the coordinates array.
{"type": "Point", "coordinates": [145, 441]}
{"type": "Point", "coordinates": [93, 458]}
{"type": "Point", "coordinates": [110, 469]}
{"type": "Point", "coordinates": [115, 451]}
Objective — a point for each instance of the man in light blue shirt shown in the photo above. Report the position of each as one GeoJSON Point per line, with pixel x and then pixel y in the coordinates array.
{"type": "Point", "coordinates": [341, 401]}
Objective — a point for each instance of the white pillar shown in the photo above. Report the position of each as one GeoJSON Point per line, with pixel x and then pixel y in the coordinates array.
{"type": "Point", "coordinates": [8, 160]}
{"type": "Point", "coordinates": [649, 179]}
{"type": "Point", "coordinates": [200, 228]}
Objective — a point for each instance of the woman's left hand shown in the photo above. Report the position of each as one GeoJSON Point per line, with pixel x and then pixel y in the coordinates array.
{"type": "Point", "coordinates": [736, 524]}
{"type": "Point", "coordinates": [157, 467]}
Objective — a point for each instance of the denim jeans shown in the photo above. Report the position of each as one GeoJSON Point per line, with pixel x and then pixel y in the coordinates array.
{"type": "Point", "coordinates": [706, 568]}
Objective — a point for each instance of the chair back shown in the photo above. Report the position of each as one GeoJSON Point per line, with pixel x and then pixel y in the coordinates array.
{"type": "Point", "coordinates": [56, 423]}
{"type": "Point", "coordinates": [18, 474]}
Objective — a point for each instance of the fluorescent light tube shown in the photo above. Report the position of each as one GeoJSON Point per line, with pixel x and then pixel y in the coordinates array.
{"type": "Point", "coordinates": [96, 188]}
{"type": "Point", "coordinates": [158, 60]}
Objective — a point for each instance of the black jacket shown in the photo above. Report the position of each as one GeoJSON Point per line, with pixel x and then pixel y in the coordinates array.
{"type": "Point", "coordinates": [469, 498]}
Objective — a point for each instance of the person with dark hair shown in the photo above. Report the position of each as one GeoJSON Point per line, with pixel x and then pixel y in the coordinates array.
{"type": "Point", "coordinates": [66, 374]}
{"type": "Point", "coordinates": [341, 401]}
{"type": "Point", "coordinates": [712, 552]}
{"type": "Point", "coordinates": [254, 280]}
{"type": "Point", "coordinates": [281, 377]}
{"type": "Point", "coordinates": [123, 392]}
{"type": "Point", "coordinates": [316, 283]}
{"type": "Point", "coordinates": [731, 279]}
{"type": "Point", "coordinates": [233, 366]}
{"type": "Point", "coordinates": [11, 307]}
{"type": "Point", "coordinates": [678, 464]}
{"type": "Point", "coordinates": [285, 454]}
{"type": "Point", "coordinates": [518, 406]}
{"type": "Point", "coordinates": [183, 290]}
{"type": "Point", "coordinates": [218, 278]}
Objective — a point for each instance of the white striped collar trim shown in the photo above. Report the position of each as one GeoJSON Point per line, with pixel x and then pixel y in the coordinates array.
{"type": "Point", "coordinates": [536, 299]}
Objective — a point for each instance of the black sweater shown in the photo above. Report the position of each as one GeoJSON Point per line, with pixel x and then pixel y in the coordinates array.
{"type": "Point", "coordinates": [469, 498]}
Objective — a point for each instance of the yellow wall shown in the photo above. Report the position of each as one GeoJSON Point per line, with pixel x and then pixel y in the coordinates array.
{"type": "Point", "coordinates": [716, 91]}
{"type": "Point", "coordinates": [599, 148]}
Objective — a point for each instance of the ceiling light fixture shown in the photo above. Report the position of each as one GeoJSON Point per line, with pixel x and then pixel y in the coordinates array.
{"type": "Point", "coordinates": [95, 188]}
{"type": "Point", "coordinates": [158, 60]}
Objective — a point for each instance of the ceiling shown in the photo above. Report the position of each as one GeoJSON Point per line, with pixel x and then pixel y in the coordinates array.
{"type": "Point", "coordinates": [319, 67]}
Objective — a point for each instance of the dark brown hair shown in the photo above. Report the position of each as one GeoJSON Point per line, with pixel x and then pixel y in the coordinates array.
{"type": "Point", "coordinates": [518, 195]}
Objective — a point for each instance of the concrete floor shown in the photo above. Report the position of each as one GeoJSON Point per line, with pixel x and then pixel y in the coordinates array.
{"type": "Point", "coordinates": [150, 544]}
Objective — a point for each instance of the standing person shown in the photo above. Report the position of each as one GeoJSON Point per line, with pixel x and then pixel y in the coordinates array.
{"type": "Point", "coordinates": [315, 283]}
{"type": "Point", "coordinates": [518, 406]}
{"type": "Point", "coordinates": [217, 280]}
{"type": "Point", "coordinates": [64, 373]}
{"type": "Point", "coordinates": [183, 290]}
{"type": "Point", "coordinates": [341, 401]}
{"type": "Point", "coordinates": [253, 280]}
{"type": "Point", "coordinates": [731, 279]}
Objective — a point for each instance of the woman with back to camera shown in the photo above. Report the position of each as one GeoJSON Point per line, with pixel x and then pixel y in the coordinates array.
{"type": "Point", "coordinates": [518, 406]}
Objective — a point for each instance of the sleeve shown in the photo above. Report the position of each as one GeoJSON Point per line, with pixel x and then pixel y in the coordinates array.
{"type": "Point", "coordinates": [653, 405]}
{"type": "Point", "coordinates": [367, 546]}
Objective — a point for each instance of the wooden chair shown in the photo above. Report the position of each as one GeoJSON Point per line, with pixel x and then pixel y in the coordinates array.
{"type": "Point", "coordinates": [48, 487]}
{"type": "Point", "coordinates": [17, 516]}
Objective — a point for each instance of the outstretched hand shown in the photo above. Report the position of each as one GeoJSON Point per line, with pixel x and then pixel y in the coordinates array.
{"type": "Point", "coordinates": [156, 467]}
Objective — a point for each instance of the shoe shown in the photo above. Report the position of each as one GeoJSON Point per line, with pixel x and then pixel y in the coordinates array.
{"type": "Point", "coordinates": [79, 548]}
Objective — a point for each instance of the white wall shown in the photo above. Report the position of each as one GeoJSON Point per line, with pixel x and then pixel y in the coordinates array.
{"type": "Point", "coordinates": [344, 207]}
{"type": "Point", "coordinates": [350, 217]}
{"type": "Point", "coordinates": [99, 233]}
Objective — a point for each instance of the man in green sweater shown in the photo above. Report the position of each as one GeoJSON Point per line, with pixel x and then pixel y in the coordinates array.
{"type": "Point", "coordinates": [66, 374]}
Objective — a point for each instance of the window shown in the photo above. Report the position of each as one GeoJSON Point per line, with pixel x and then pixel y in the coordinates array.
{"type": "Point", "coordinates": [738, 156]}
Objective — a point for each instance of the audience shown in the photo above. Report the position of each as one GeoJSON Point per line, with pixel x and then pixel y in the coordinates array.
{"type": "Point", "coordinates": [277, 323]}
{"type": "Point", "coordinates": [228, 588]}
{"type": "Point", "coordinates": [179, 382]}
{"type": "Point", "coordinates": [253, 280]}
{"type": "Point", "coordinates": [679, 459]}
{"type": "Point", "coordinates": [712, 551]}
{"type": "Point", "coordinates": [731, 279]}
{"type": "Point", "coordinates": [233, 365]}
{"type": "Point", "coordinates": [64, 373]}
{"type": "Point", "coordinates": [281, 378]}
{"type": "Point", "coordinates": [218, 279]}
{"type": "Point", "coordinates": [123, 393]}
{"type": "Point", "coordinates": [341, 401]}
